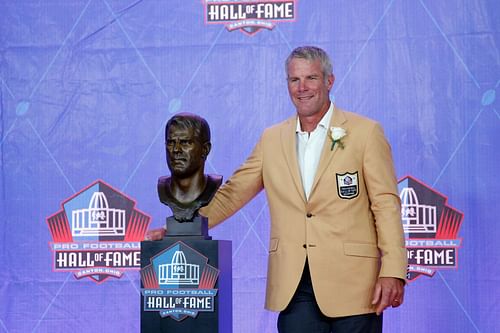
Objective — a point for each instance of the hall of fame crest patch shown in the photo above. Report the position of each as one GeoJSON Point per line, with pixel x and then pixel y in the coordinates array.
{"type": "Point", "coordinates": [347, 185]}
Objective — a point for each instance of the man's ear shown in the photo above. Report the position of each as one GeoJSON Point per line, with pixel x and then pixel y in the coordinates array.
{"type": "Point", "coordinates": [330, 81]}
{"type": "Point", "coordinates": [207, 146]}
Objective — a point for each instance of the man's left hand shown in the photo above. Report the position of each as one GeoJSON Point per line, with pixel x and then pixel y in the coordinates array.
{"type": "Point", "coordinates": [389, 291]}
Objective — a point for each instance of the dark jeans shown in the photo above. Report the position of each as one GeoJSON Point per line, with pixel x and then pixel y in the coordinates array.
{"type": "Point", "coordinates": [303, 315]}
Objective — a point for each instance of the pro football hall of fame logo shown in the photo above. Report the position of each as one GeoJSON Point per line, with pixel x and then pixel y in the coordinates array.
{"type": "Point", "coordinates": [179, 283]}
{"type": "Point", "coordinates": [431, 229]}
{"type": "Point", "coordinates": [249, 16]}
{"type": "Point", "coordinates": [97, 233]}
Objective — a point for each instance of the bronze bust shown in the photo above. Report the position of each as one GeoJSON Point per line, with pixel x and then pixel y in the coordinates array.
{"type": "Point", "coordinates": [187, 189]}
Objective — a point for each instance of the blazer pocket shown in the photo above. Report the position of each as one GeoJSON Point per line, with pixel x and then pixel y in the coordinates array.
{"type": "Point", "coordinates": [273, 245]}
{"type": "Point", "coordinates": [361, 250]}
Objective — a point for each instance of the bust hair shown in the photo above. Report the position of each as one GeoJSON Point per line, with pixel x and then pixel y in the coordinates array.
{"type": "Point", "coordinates": [190, 120]}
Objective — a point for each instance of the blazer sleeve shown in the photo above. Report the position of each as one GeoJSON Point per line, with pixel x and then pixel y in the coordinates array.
{"type": "Point", "coordinates": [242, 186]}
{"type": "Point", "coordinates": [385, 204]}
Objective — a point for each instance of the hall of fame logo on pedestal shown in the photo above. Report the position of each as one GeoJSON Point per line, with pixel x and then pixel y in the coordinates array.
{"type": "Point", "coordinates": [179, 283]}
{"type": "Point", "coordinates": [97, 233]}
{"type": "Point", "coordinates": [431, 229]}
{"type": "Point", "coordinates": [249, 16]}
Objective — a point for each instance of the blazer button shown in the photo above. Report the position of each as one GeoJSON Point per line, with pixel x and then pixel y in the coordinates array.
{"type": "Point", "coordinates": [309, 215]}
{"type": "Point", "coordinates": [304, 246]}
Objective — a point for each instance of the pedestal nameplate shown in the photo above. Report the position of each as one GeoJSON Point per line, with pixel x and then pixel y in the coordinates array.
{"type": "Point", "coordinates": [186, 286]}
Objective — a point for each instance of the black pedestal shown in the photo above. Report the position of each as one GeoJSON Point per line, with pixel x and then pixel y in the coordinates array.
{"type": "Point", "coordinates": [186, 286]}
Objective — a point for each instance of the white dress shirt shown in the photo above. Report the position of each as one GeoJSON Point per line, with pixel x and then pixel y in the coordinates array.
{"type": "Point", "coordinates": [309, 147]}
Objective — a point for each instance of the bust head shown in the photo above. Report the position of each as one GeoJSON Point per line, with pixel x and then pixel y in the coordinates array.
{"type": "Point", "coordinates": [187, 143]}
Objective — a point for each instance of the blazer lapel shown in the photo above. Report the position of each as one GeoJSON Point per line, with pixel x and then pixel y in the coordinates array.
{"type": "Point", "coordinates": [288, 143]}
{"type": "Point", "coordinates": [327, 154]}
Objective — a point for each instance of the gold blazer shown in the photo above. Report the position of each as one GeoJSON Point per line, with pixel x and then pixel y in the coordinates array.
{"type": "Point", "coordinates": [350, 229]}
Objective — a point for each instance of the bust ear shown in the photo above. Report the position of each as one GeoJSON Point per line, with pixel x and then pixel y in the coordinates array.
{"type": "Point", "coordinates": [207, 146]}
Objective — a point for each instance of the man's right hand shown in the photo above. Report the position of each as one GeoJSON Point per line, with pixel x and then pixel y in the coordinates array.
{"type": "Point", "coordinates": [155, 234]}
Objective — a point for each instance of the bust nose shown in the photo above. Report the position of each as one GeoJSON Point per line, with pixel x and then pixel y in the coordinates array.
{"type": "Point", "coordinates": [176, 146]}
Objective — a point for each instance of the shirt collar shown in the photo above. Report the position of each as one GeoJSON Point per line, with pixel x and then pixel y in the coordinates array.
{"type": "Point", "coordinates": [324, 122]}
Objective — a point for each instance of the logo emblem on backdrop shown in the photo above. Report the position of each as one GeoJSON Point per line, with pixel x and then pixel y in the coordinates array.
{"type": "Point", "coordinates": [97, 233]}
{"type": "Point", "coordinates": [179, 282]}
{"type": "Point", "coordinates": [431, 229]}
{"type": "Point", "coordinates": [249, 16]}
{"type": "Point", "coordinates": [347, 185]}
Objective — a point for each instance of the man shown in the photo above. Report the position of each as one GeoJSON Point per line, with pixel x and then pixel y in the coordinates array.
{"type": "Point", "coordinates": [336, 253]}
{"type": "Point", "coordinates": [187, 142]}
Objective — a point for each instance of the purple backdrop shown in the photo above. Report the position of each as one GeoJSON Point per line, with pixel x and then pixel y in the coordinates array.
{"type": "Point", "coordinates": [86, 87]}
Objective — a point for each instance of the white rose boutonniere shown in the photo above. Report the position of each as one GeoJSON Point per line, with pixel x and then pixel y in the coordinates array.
{"type": "Point", "coordinates": [336, 134]}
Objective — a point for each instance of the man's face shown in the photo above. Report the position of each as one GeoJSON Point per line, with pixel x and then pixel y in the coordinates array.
{"type": "Point", "coordinates": [185, 154]}
{"type": "Point", "coordinates": [307, 87]}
